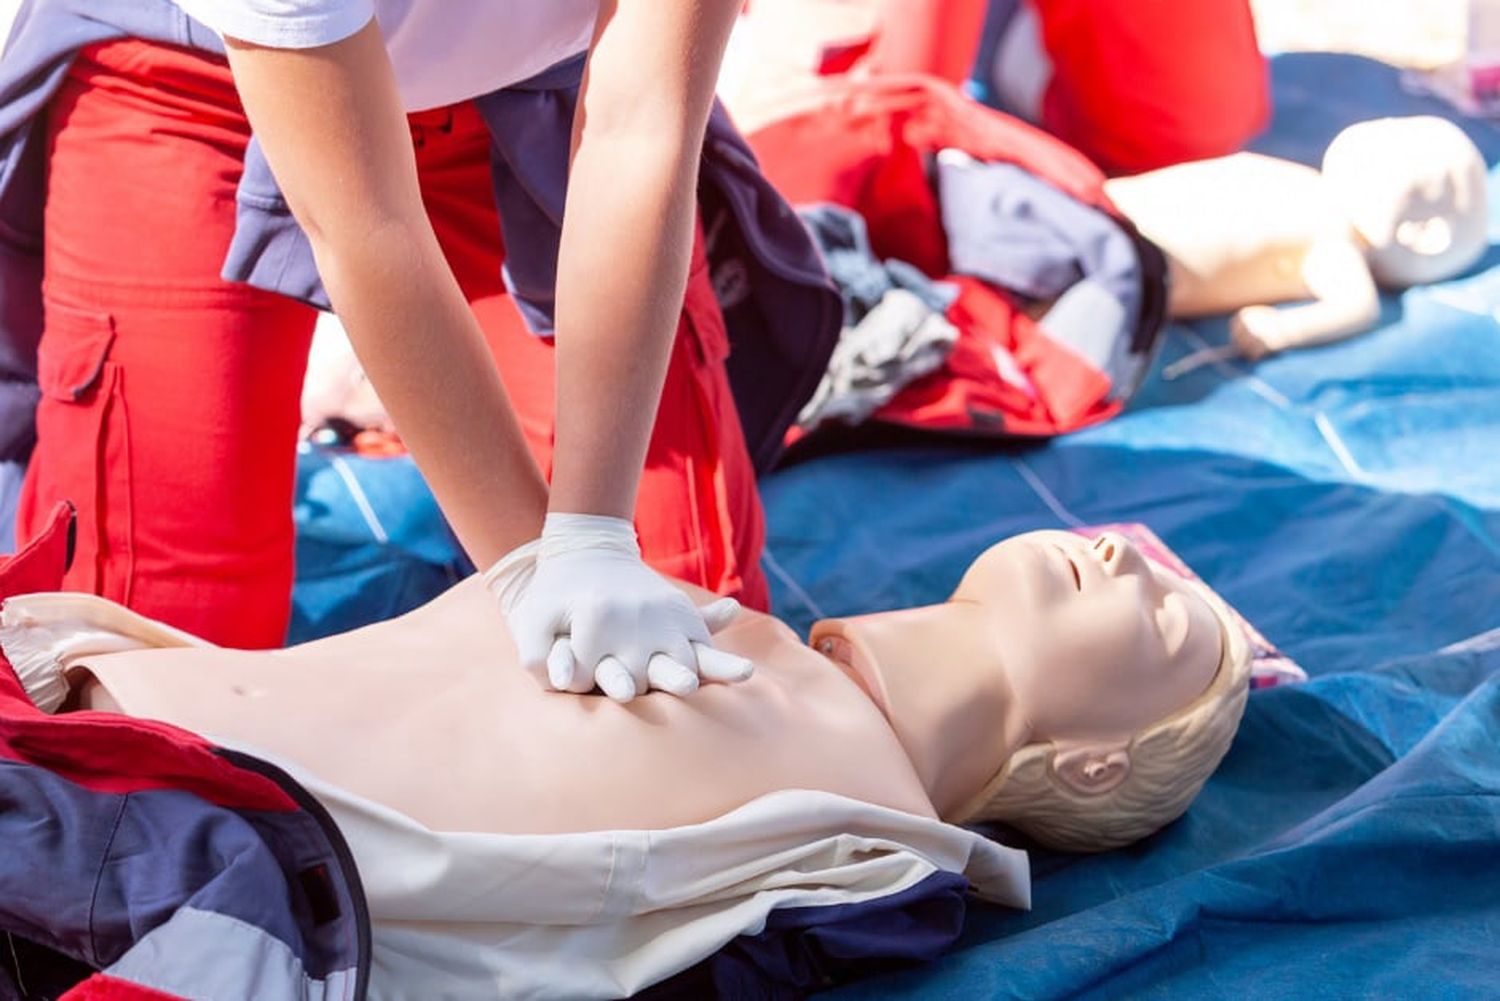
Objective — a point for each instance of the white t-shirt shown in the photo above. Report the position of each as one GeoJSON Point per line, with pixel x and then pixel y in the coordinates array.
{"type": "Point", "coordinates": [443, 51]}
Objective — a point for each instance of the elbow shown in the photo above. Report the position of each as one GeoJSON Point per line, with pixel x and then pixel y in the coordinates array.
{"type": "Point", "coordinates": [645, 132]}
{"type": "Point", "coordinates": [361, 222]}
{"type": "Point", "coordinates": [373, 237]}
{"type": "Point", "coordinates": [356, 262]}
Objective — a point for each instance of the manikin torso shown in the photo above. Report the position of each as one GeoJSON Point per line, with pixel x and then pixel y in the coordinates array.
{"type": "Point", "coordinates": [1049, 637]}
{"type": "Point", "coordinates": [1050, 644]}
{"type": "Point", "coordinates": [1236, 230]}
{"type": "Point", "coordinates": [429, 714]}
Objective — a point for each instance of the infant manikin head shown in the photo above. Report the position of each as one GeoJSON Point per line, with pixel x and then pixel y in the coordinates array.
{"type": "Point", "coordinates": [1414, 190]}
{"type": "Point", "coordinates": [1070, 688]}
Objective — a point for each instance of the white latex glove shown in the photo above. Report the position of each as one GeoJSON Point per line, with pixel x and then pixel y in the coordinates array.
{"type": "Point", "coordinates": [584, 611]}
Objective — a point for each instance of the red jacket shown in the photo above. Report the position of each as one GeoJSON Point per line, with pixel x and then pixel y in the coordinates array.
{"type": "Point", "coordinates": [864, 143]}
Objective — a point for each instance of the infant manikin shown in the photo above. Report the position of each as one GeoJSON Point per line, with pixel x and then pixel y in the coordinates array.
{"type": "Point", "coordinates": [1399, 202]}
{"type": "Point", "coordinates": [1069, 688]}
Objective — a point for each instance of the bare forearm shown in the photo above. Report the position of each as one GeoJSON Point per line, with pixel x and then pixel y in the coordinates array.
{"type": "Point", "coordinates": [622, 273]}
{"type": "Point", "coordinates": [425, 355]}
{"type": "Point", "coordinates": [330, 121]}
{"type": "Point", "coordinates": [627, 237]}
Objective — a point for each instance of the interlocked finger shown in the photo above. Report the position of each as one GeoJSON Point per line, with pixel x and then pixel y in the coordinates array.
{"type": "Point", "coordinates": [613, 677]}
{"type": "Point", "coordinates": [719, 665]}
{"type": "Point", "coordinates": [668, 675]}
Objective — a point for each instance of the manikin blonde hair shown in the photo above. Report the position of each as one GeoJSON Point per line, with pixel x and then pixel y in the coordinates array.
{"type": "Point", "coordinates": [1169, 762]}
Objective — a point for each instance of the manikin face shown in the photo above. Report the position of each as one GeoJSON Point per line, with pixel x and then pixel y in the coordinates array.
{"type": "Point", "coordinates": [1096, 641]}
{"type": "Point", "coordinates": [1414, 189]}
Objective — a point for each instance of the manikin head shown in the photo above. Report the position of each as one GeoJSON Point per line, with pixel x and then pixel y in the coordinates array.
{"type": "Point", "coordinates": [1070, 688]}
{"type": "Point", "coordinates": [1414, 191]}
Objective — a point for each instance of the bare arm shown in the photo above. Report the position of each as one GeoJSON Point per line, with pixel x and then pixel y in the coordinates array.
{"type": "Point", "coordinates": [331, 124]}
{"type": "Point", "coordinates": [1345, 302]}
{"type": "Point", "coordinates": [627, 236]}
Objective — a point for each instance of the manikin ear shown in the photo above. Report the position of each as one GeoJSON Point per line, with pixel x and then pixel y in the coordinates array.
{"type": "Point", "coordinates": [1092, 769]}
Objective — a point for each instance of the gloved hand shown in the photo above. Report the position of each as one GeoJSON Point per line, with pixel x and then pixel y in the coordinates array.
{"type": "Point", "coordinates": [584, 610]}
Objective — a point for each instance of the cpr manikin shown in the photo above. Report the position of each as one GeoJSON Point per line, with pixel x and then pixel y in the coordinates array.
{"type": "Point", "coordinates": [1399, 202]}
{"type": "Point", "coordinates": [1069, 688]}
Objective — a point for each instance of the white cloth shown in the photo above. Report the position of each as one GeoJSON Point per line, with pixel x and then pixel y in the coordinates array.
{"type": "Point", "coordinates": [443, 51]}
{"type": "Point", "coordinates": [607, 914]}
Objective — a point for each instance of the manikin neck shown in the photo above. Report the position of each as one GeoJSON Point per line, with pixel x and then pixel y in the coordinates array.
{"type": "Point", "coordinates": [936, 674]}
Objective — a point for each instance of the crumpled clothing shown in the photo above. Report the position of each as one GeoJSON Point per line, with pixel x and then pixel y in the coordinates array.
{"type": "Point", "coordinates": [894, 325]}
{"type": "Point", "coordinates": [862, 278]}
{"type": "Point", "coordinates": [898, 341]}
{"type": "Point", "coordinates": [1015, 230]}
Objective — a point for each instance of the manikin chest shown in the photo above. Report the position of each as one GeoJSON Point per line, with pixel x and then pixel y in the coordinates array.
{"type": "Point", "coordinates": [430, 715]}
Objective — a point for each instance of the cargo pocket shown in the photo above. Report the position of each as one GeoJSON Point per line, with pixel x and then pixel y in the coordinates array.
{"type": "Point", "coordinates": [83, 428]}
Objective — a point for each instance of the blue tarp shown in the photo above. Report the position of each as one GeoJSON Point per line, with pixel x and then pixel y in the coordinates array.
{"type": "Point", "coordinates": [1347, 500]}
{"type": "Point", "coordinates": [371, 543]}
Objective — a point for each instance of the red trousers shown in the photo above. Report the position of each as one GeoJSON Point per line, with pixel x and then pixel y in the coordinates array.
{"type": "Point", "coordinates": [170, 397]}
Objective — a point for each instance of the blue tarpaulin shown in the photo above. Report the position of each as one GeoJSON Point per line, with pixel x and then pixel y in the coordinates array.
{"type": "Point", "coordinates": [371, 543]}
{"type": "Point", "coordinates": [1347, 500]}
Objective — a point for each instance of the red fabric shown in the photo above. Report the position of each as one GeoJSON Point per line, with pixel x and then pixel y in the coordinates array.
{"type": "Point", "coordinates": [836, 58]}
{"type": "Point", "coordinates": [865, 145]}
{"type": "Point", "coordinates": [170, 397]}
{"type": "Point", "coordinates": [936, 37]}
{"type": "Point", "coordinates": [41, 562]}
{"type": "Point", "coordinates": [1149, 83]}
{"type": "Point", "coordinates": [971, 394]}
{"type": "Point", "coordinates": [104, 751]}
{"type": "Point", "coordinates": [901, 211]}
{"type": "Point", "coordinates": [831, 148]}
{"type": "Point", "coordinates": [100, 987]}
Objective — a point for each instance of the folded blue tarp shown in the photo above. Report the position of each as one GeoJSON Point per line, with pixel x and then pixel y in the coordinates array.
{"type": "Point", "coordinates": [1347, 500]}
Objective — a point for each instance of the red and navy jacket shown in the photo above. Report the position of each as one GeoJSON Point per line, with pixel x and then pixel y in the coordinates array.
{"type": "Point", "coordinates": [140, 862]}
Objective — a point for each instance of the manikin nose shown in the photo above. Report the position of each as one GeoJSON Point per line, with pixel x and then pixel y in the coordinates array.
{"type": "Point", "coordinates": [1115, 552]}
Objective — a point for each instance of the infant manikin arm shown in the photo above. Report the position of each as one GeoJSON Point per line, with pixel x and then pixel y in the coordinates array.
{"type": "Point", "coordinates": [44, 635]}
{"type": "Point", "coordinates": [1345, 302]}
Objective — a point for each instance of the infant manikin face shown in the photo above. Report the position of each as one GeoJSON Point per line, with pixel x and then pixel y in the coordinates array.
{"type": "Point", "coordinates": [1415, 191]}
{"type": "Point", "coordinates": [1097, 642]}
